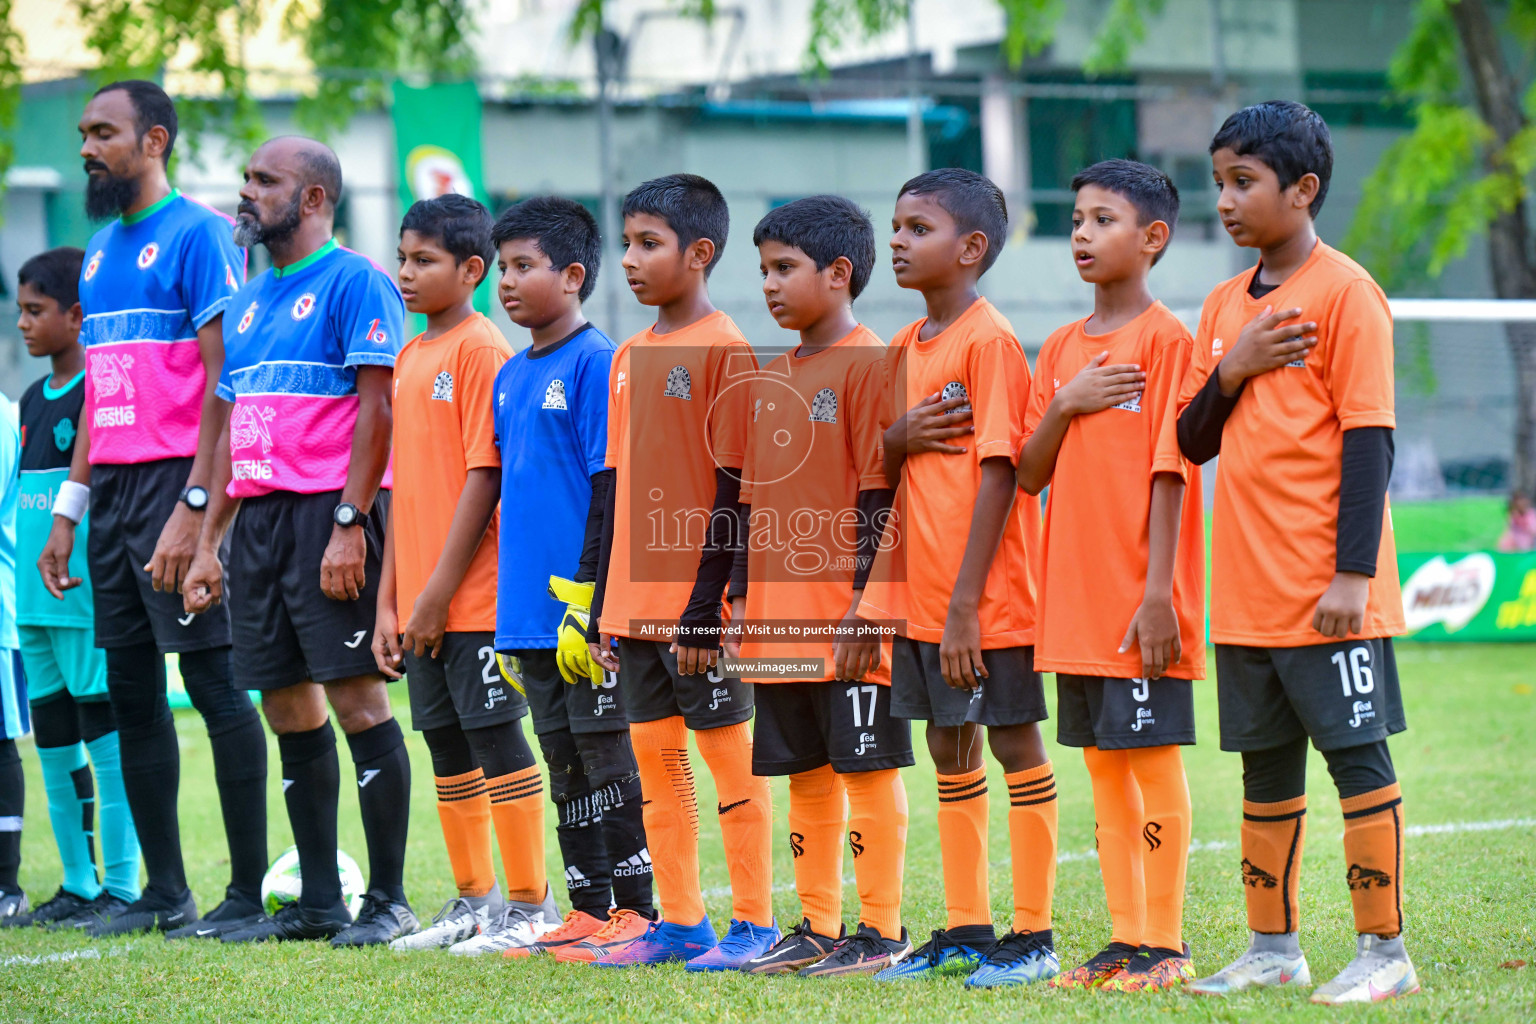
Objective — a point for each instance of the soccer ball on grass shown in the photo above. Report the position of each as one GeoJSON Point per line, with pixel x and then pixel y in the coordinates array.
{"type": "Point", "coordinates": [282, 883]}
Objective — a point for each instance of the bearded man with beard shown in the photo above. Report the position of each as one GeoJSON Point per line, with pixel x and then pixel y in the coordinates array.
{"type": "Point", "coordinates": [310, 352]}
{"type": "Point", "coordinates": [153, 289]}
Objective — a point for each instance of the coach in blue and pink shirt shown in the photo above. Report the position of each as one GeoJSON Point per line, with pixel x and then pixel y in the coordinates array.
{"type": "Point", "coordinates": [310, 352]}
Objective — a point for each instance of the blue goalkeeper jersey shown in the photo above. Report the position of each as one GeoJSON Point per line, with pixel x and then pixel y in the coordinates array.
{"type": "Point", "coordinates": [551, 416]}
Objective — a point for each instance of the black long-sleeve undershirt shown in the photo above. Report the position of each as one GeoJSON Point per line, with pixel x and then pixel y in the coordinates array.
{"type": "Point", "coordinates": [700, 623]}
{"type": "Point", "coordinates": [1365, 473]}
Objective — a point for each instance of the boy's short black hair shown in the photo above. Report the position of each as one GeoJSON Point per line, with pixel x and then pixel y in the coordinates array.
{"type": "Point", "coordinates": [56, 274]}
{"type": "Point", "coordinates": [692, 207]}
{"type": "Point", "coordinates": [824, 227]}
{"type": "Point", "coordinates": [973, 200]}
{"type": "Point", "coordinates": [461, 225]}
{"type": "Point", "coordinates": [563, 229]}
{"type": "Point", "coordinates": [151, 106]}
{"type": "Point", "coordinates": [1145, 187]}
{"type": "Point", "coordinates": [1288, 136]}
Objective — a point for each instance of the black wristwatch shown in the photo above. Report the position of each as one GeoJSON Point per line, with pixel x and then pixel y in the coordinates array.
{"type": "Point", "coordinates": [195, 498]}
{"type": "Point", "coordinates": [348, 514]}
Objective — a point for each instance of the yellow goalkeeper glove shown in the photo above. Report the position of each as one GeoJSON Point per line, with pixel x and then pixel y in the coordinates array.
{"type": "Point", "coordinates": [571, 651]}
{"type": "Point", "coordinates": [511, 668]}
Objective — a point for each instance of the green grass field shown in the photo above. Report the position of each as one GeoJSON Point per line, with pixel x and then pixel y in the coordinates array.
{"type": "Point", "coordinates": [1471, 901]}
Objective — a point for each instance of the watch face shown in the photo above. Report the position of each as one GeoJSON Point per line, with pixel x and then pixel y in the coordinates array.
{"type": "Point", "coordinates": [346, 515]}
{"type": "Point", "coordinates": [196, 498]}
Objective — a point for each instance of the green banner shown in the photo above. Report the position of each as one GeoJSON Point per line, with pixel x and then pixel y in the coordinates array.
{"type": "Point", "coordinates": [437, 148]}
{"type": "Point", "coordinates": [1481, 596]}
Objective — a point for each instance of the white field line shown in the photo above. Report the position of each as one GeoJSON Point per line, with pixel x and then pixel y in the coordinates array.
{"type": "Point", "coordinates": [53, 958]}
{"type": "Point", "coordinates": [1215, 845]}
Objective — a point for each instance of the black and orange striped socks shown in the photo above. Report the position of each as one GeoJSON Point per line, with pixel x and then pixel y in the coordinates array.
{"type": "Point", "coordinates": [1373, 849]}
{"type": "Point", "coordinates": [1032, 842]}
{"type": "Point", "coordinates": [465, 811]}
{"type": "Point", "coordinates": [963, 807]}
{"type": "Point", "coordinates": [517, 808]}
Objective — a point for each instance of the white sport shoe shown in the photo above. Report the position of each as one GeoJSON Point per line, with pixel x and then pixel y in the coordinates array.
{"type": "Point", "coordinates": [1255, 969]}
{"type": "Point", "coordinates": [518, 924]}
{"type": "Point", "coordinates": [457, 921]}
{"type": "Point", "coordinates": [1380, 970]}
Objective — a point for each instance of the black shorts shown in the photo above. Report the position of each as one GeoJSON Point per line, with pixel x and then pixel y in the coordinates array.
{"type": "Point", "coordinates": [653, 689]}
{"type": "Point", "coordinates": [1121, 714]}
{"type": "Point", "coordinates": [286, 630]}
{"type": "Point", "coordinates": [461, 686]}
{"type": "Point", "coordinates": [129, 507]}
{"type": "Point", "coordinates": [1012, 693]}
{"type": "Point", "coordinates": [1342, 694]}
{"type": "Point", "coordinates": [849, 725]}
{"type": "Point", "coordinates": [583, 706]}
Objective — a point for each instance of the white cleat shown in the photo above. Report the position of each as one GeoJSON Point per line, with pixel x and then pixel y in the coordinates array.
{"type": "Point", "coordinates": [1380, 970]}
{"type": "Point", "coordinates": [1255, 970]}
{"type": "Point", "coordinates": [518, 925]}
{"type": "Point", "coordinates": [456, 922]}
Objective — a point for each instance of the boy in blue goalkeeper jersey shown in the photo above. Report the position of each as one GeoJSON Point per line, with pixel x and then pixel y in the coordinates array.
{"type": "Point", "coordinates": [72, 720]}
{"type": "Point", "coordinates": [551, 417]}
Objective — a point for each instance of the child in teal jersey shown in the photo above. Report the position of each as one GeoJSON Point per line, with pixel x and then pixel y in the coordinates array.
{"type": "Point", "coordinates": [66, 673]}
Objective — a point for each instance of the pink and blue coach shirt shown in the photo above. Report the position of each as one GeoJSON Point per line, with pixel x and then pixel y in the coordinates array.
{"type": "Point", "coordinates": [293, 339]}
{"type": "Point", "coordinates": [149, 281]}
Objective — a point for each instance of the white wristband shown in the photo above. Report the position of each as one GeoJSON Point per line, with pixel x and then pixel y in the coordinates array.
{"type": "Point", "coordinates": [72, 501]}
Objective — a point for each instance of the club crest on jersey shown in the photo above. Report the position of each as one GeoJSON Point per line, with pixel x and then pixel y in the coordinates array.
{"type": "Point", "coordinates": [1297, 364]}
{"type": "Point", "coordinates": [955, 389]}
{"type": "Point", "coordinates": [63, 435]}
{"type": "Point", "coordinates": [679, 384]}
{"type": "Point", "coordinates": [554, 395]}
{"type": "Point", "coordinates": [147, 255]}
{"type": "Point", "coordinates": [93, 266]}
{"type": "Point", "coordinates": [246, 320]}
{"type": "Point", "coordinates": [442, 387]}
{"type": "Point", "coordinates": [303, 306]}
{"type": "Point", "coordinates": [1132, 404]}
{"type": "Point", "coordinates": [824, 406]}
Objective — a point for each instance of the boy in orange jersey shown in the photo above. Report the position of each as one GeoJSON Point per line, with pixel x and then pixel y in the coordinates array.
{"type": "Point", "coordinates": [814, 490]}
{"type": "Point", "coordinates": [1126, 638]}
{"type": "Point", "coordinates": [437, 596]}
{"type": "Point", "coordinates": [677, 423]}
{"type": "Point", "coordinates": [1293, 384]}
{"type": "Point", "coordinates": [959, 578]}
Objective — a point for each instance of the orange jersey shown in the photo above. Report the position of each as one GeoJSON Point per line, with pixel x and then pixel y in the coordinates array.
{"type": "Point", "coordinates": [813, 443]}
{"type": "Point", "coordinates": [1093, 563]}
{"type": "Point", "coordinates": [1277, 487]}
{"type": "Point", "coordinates": [677, 409]}
{"type": "Point", "coordinates": [978, 357]}
{"type": "Point", "coordinates": [443, 429]}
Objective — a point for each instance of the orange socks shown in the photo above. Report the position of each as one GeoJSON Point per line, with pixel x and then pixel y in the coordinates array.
{"type": "Point", "coordinates": [963, 847]}
{"type": "Point", "coordinates": [1373, 846]}
{"type": "Point", "coordinates": [1118, 817]}
{"type": "Point", "coordinates": [517, 807]}
{"type": "Point", "coordinates": [746, 820]}
{"type": "Point", "coordinates": [465, 812]}
{"type": "Point", "coordinates": [1273, 837]}
{"type": "Point", "coordinates": [1164, 838]}
{"type": "Point", "coordinates": [1032, 838]}
{"type": "Point", "coordinates": [877, 834]}
{"type": "Point", "coordinates": [818, 811]}
{"type": "Point", "coordinates": [671, 813]}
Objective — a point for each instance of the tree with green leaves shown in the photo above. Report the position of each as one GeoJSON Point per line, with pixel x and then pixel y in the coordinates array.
{"type": "Point", "coordinates": [1463, 173]}
{"type": "Point", "coordinates": [356, 47]}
